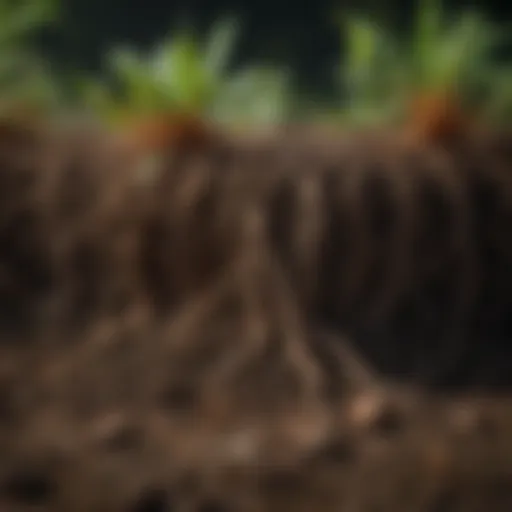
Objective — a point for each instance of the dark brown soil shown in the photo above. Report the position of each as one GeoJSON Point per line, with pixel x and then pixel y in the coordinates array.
{"type": "Point", "coordinates": [297, 323]}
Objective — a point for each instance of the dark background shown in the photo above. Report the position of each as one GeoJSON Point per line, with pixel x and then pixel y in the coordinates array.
{"type": "Point", "coordinates": [300, 33]}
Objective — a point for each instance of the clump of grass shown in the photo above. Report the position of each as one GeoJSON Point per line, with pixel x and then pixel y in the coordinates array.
{"type": "Point", "coordinates": [26, 82]}
{"type": "Point", "coordinates": [184, 74]}
{"type": "Point", "coordinates": [442, 61]}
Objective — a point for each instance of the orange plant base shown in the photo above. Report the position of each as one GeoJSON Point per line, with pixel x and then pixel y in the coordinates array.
{"type": "Point", "coordinates": [437, 118]}
{"type": "Point", "coordinates": [164, 131]}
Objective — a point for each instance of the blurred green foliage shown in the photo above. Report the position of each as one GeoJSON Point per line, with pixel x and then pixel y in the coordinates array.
{"type": "Point", "coordinates": [378, 75]}
{"type": "Point", "coordinates": [25, 77]}
{"type": "Point", "coordinates": [186, 74]}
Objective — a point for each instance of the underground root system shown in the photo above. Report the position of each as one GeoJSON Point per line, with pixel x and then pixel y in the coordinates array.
{"type": "Point", "coordinates": [253, 324]}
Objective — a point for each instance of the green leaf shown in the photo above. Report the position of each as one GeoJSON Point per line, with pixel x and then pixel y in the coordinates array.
{"type": "Point", "coordinates": [134, 76]}
{"type": "Point", "coordinates": [19, 19]}
{"type": "Point", "coordinates": [257, 95]}
{"type": "Point", "coordinates": [428, 31]}
{"type": "Point", "coordinates": [189, 83]}
{"type": "Point", "coordinates": [220, 46]}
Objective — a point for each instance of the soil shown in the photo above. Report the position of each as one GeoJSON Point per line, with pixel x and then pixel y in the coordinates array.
{"type": "Point", "coordinates": [169, 343]}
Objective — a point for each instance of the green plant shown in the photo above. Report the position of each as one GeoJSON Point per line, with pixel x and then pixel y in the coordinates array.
{"type": "Point", "coordinates": [183, 74]}
{"type": "Point", "coordinates": [372, 75]}
{"type": "Point", "coordinates": [25, 78]}
{"type": "Point", "coordinates": [381, 73]}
